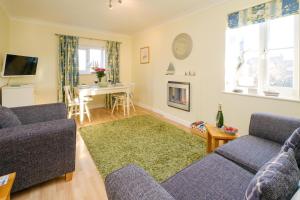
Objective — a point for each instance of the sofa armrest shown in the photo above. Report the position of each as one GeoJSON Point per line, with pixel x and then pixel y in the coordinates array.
{"type": "Point", "coordinates": [273, 127]}
{"type": "Point", "coordinates": [133, 183]}
{"type": "Point", "coordinates": [38, 152]}
{"type": "Point", "coordinates": [41, 113]}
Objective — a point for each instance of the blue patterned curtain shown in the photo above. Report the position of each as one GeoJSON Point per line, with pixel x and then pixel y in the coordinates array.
{"type": "Point", "coordinates": [68, 64]}
{"type": "Point", "coordinates": [263, 12]}
{"type": "Point", "coordinates": [113, 60]}
{"type": "Point", "coordinates": [113, 63]}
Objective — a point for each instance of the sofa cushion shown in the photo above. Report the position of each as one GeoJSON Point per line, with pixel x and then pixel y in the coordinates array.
{"type": "Point", "coordinates": [277, 179]}
{"type": "Point", "coordinates": [250, 152]}
{"type": "Point", "coordinates": [211, 178]}
{"type": "Point", "coordinates": [272, 127]}
{"type": "Point", "coordinates": [41, 113]}
{"type": "Point", "coordinates": [8, 118]}
{"type": "Point", "coordinates": [296, 196]}
{"type": "Point", "coordinates": [133, 183]}
{"type": "Point", "coordinates": [294, 143]}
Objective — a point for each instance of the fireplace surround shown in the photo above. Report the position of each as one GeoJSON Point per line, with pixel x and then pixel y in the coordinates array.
{"type": "Point", "coordinates": [178, 95]}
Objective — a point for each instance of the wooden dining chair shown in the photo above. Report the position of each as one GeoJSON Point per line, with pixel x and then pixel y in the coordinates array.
{"type": "Point", "coordinates": [73, 104]}
{"type": "Point", "coordinates": [120, 99]}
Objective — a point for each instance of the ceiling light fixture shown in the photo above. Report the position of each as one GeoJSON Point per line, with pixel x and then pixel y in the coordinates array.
{"type": "Point", "coordinates": [111, 1]}
{"type": "Point", "coordinates": [110, 4]}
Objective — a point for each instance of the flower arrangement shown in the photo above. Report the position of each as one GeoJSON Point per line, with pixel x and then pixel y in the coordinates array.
{"type": "Point", "coordinates": [100, 72]}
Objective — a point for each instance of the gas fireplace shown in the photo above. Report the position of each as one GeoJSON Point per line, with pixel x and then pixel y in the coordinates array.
{"type": "Point", "coordinates": [179, 95]}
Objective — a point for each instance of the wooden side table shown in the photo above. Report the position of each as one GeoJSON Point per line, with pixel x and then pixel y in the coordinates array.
{"type": "Point", "coordinates": [214, 135]}
{"type": "Point", "coordinates": [5, 189]}
{"type": "Point", "coordinates": [197, 132]}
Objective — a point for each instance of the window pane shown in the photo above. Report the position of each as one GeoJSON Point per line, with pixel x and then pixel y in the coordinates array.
{"type": "Point", "coordinates": [248, 70]}
{"type": "Point", "coordinates": [245, 38]}
{"type": "Point", "coordinates": [242, 56]}
{"type": "Point", "coordinates": [281, 33]}
{"type": "Point", "coordinates": [281, 68]}
{"type": "Point", "coordinates": [82, 60]}
{"type": "Point", "coordinates": [96, 58]}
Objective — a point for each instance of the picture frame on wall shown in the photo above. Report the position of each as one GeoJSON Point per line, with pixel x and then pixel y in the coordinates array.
{"type": "Point", "coordinates": [145, 55]}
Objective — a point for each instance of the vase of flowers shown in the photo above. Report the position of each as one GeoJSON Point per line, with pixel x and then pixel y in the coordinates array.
{"type": "Point", "coordinates": [100, 73]}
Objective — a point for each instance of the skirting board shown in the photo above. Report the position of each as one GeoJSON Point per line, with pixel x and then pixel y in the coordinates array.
{"type": "Point", "coordinates": [166, 115]}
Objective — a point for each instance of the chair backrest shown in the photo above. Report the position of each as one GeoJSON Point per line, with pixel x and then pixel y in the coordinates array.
{"type": "Point", "coordinates": [68, 94]}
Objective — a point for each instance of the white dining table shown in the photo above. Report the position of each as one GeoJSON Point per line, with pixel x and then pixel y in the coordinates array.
{"type": "Point", "coordinates": [91, 90]}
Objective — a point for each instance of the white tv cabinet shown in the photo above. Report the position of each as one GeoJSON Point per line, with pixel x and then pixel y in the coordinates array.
{"type": "Point", "coordinates": [16, 96]}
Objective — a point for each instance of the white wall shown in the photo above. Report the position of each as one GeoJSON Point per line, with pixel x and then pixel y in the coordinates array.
{"type": "Point", "coordinates": [38, 39]}
{"type": "Point", "coordinates": [207, 28]}
{"type": "Point", "coordinates": [4, 37]}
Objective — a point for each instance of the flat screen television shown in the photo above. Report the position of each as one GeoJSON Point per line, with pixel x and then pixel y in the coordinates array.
{"type": "Point", "coordinates": [16, 65]}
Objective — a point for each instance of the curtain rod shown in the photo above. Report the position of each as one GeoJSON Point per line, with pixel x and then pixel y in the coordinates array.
{"type": "Point", "coordinates": [87, 38]}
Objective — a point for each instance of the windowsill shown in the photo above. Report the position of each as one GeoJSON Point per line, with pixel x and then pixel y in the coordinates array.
{"type": "Point", "coordinates": [290, 99]}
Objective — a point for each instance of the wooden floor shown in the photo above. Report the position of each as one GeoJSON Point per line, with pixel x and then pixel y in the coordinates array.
{"type": "Point", "coordinates": [87, 183]}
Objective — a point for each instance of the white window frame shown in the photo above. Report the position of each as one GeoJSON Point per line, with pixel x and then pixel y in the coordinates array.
{"type": "Point", "coordinates": [263, 67]}
{"type": "Point", "coordinates": [87, 49]}
{"type": "Point", "coordinates": [293, 92]}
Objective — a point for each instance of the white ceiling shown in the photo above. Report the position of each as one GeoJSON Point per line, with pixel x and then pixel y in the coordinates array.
{"type": "Point", "coordinates": [130, 17]}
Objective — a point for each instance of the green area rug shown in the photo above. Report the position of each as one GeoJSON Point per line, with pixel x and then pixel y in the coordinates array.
{"type": "Point", "coordinates": [159, 147]}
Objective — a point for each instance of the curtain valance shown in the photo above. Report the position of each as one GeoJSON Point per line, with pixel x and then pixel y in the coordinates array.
{"type": "Point", "coordinates": [263, 12]}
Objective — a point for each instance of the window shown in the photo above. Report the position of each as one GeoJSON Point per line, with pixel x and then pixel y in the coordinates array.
{"type": "Point", "coordinates": [90, 57]}
{"type": "Point", "coordinates": [264, 56]}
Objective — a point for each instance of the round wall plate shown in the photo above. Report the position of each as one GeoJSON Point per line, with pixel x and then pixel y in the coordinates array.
{"type": "Point", "coordinates": [182, 46]}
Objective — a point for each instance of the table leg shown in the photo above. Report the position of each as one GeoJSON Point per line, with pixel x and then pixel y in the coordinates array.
{"type": "Point", "coordinates": [209, 143]}
{"type": "Point", "coordinates": [128, 102]}
{"type": "Point", "coordinates": [217, 143]}
{"type": "Point", "coordinates": [81, 110]}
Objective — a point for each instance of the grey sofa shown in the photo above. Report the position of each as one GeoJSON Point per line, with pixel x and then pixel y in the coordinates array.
{"type": "Point", "coordinates": [40, 149]}
{"type": "Point", "coordinates": [222, 175]}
